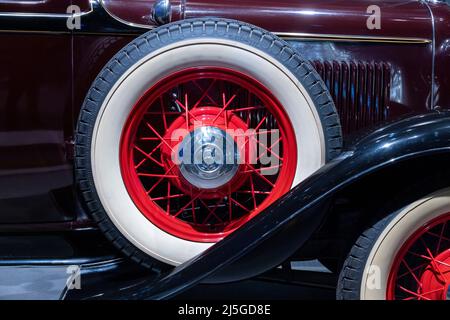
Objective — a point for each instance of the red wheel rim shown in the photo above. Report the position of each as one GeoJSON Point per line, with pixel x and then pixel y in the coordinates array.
{"type": "Point", "coordinates": [421, 269]}
{"type": "Point", "coordinates": [216, 99]}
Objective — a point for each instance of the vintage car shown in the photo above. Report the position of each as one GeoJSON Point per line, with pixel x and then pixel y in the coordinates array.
{"type": "Point", "coordinates": [216, 140]}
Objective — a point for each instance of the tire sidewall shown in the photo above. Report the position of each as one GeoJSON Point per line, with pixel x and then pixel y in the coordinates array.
{"type": "Point", "coordinates": [125, 79]}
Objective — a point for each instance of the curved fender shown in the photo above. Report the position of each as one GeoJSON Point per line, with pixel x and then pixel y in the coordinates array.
{"type": "Point", "coordinates": [274, 235]}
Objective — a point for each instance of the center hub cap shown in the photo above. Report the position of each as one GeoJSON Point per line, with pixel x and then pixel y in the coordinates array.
{"type": "Point", "coordinates": [209, 157]}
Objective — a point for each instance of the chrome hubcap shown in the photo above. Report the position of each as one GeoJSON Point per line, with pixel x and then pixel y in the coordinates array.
{"type": "Point", "coordinates": [208, 157]}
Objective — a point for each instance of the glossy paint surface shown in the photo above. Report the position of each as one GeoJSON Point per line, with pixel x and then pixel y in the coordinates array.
{"type": "Point", "coordinates": [35, 121]}
{"type": "Point", "coordinates": [441, 16]}
{"type": "Point", "coordinates": [320, 16]}
{"type": "Point", "coordinates": [138, 12]}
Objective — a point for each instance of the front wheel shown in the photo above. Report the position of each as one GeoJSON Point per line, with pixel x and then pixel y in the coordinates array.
{"type": "Point", "coordinates": [405, 256]}
{"type": "Point", "coordinates": [193, 129]}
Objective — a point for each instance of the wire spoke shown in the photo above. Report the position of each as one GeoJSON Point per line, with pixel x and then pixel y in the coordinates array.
{"type": "Point", "coordinates": [204, 94]}
{"type": "Point", "coordinates": [255, 191]}
{"type": "Point", "coordinates": [230, 210]}
{"type": "Point", "coordinates": [263, 169]}
{"type": "Point", "coordinates": [252, 185]}
{"type": "Point", "coordinates": [172, 196]}
{"type": "Point", "coordinates": [260, 123]}
{"type": "Point", "coordinates": [186, 110]}
{"type": "Point", "coordinates": [148, 156]}
{"type": "Point", "coordinates": [188, 204]}
{"type": "Point", "coordinates": [252, 169]}
{"type": "Point", "coordinates": [413, 293]}
{"type": "Point", "coordinates": [149, 139]}
{"type": "Point", "coordinates": [412, 273]}
{"type": "Point", "coordinates": [163, 112]}
{"type": "Point", "coordinates": [413, 269]}
{"type": "Point", "coordinates": [168, 197]}
{"type": "Point", "coordinates": [270, 149]}
{"type": "Point", "coordinates": [157, 175]}
{"type": "Point", "coordinates": [432, 291]}
{"type": "Point", "coordinates": [239, 204]}
{"type": "Point", "coordinates": [441, 236]}
{"type": "Point", "coordinates": [210, 212]}
{"type": "Point", "coordinates": [159, 180]}
{"type": "Point", "coordinates": [225, 106]}
{"type": "Point", "coordinates": [246, 109]}
{"type": "Point", "coordinates": [159, 136]}
{"type": "Point", "coordinates": [267, 149]}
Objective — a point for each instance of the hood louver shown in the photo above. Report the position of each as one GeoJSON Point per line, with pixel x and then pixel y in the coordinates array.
{"type": "Point", "coordinates": [360, 90]}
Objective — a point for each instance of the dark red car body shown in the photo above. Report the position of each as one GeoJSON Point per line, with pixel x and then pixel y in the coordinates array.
{"type": "Point", "coordinates": [46, 69]}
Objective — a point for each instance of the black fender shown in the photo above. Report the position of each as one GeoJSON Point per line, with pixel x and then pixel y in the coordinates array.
{"type": "Point", "coordinates": [273, 236]}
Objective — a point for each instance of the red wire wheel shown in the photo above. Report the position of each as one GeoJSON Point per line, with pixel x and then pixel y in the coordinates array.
{"type": "Point", "coordinates": [421, 269]}
{"type": "Point", "coordinates": [188, 111]}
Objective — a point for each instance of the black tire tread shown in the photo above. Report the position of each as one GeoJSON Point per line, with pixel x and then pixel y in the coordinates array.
{"type": "Point", "coordinates": [350, 277]}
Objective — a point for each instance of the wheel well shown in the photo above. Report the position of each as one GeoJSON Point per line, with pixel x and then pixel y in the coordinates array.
{"type": "Point", "coordinates": [371, 198]}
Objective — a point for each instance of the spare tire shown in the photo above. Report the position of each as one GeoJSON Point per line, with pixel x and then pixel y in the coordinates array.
{"type": "Point", "coordinates": [197, 85]}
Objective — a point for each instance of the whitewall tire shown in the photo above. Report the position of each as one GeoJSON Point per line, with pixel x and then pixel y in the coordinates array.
{"type": "Point", "coordinates": [142, 65]}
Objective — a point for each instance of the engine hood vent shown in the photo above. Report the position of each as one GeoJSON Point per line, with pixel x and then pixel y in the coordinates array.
{"type": "Point", "coordinates": [360, 90]}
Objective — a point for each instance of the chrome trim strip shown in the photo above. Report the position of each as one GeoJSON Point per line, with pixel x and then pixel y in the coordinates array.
{"type": "Point", "coordinates": [22, 2]}
{"type": "Point", "coordinates": [84, 262]}
{"type": "Point", "coordinates": [33, 14]}
{"type": "Point", "coordinates": [47, 15]}
{"type": "Point", "coordinates": [350, 38]}
{"type": "Point", "coordinates": [43, 32]}
{"type": "Point", "coordinates": [303, 37]}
